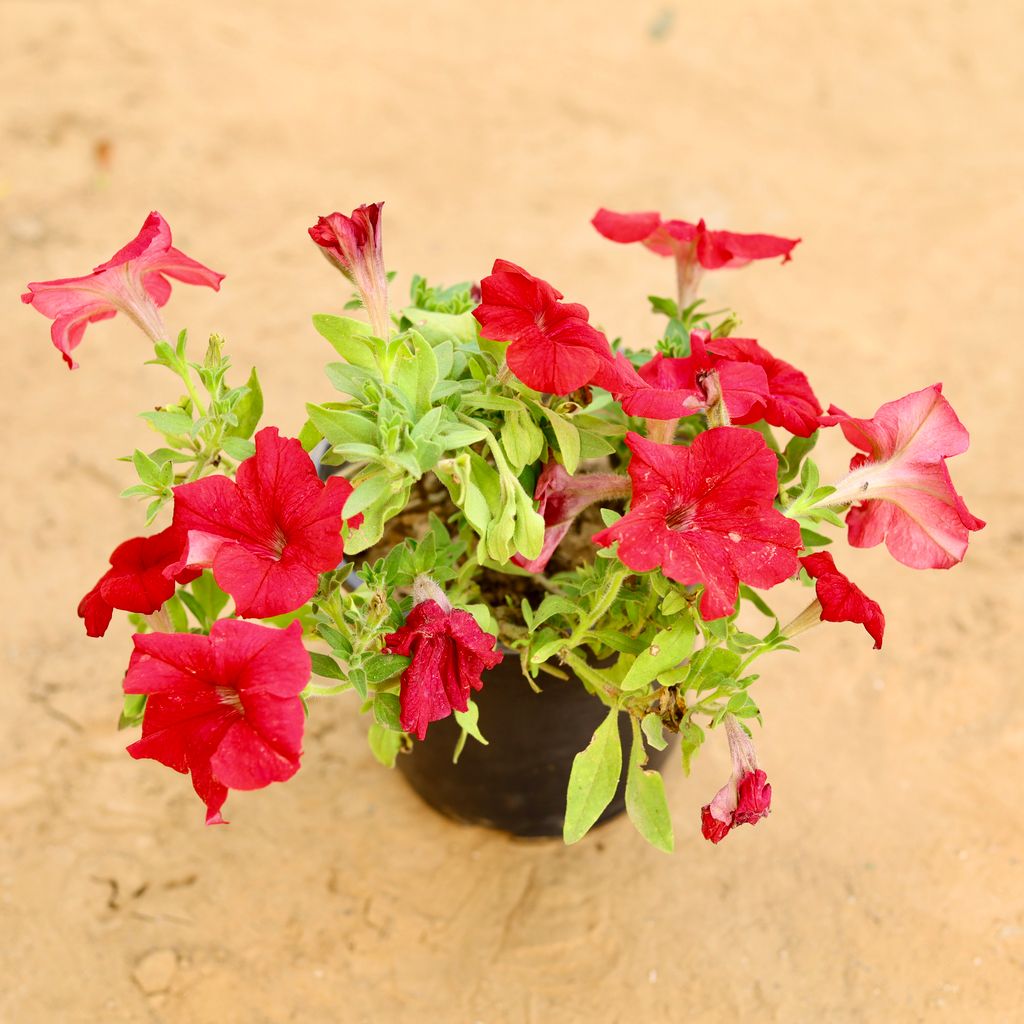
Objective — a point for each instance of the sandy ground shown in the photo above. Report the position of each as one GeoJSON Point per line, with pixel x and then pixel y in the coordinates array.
{"type": "Point", "coordinates": [888, 885]}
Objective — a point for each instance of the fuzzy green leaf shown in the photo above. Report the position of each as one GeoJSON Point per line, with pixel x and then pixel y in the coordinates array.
{"type": "Point", "coordinates": [593, 779]}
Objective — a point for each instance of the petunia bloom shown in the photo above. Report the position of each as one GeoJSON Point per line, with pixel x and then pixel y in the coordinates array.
{"type": "Point", "coordinates": [838, 599]}
{"type": "Point", "coordinates": [671, 387]}
{"type": "Point", "coordinates": [135, 581]}
{"type": "Point", "coordinates": [789, 403]}
{"type": "Point", "coordinates": [746, 798]}
{"type": "Point", "coordinates": [449, 651]}
{"type": "Point", "coordinates": [561, 498]}
{"type": "Point", "coordinates": [268, 534]}
{"type": "Point", "coordinates": [553, 347]}
{"type": "Point", "coordinates": [900, 485]}
{"type": "Point", "coordinates": [224, 708]}
{"type": "Point", "coordinates": [354, 245]}
{"type": "Point", "coordinates": [134, 281]}
{"type": "Point", "coordinates": [694, 246]}
{"type": "Point", "coordinates": [704, 514]}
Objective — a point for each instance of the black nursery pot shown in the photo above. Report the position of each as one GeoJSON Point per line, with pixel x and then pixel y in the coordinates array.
{"type": "Point", "coordinates": [517, 783]}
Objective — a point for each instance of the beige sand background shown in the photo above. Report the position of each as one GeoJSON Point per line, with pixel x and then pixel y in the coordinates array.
{"type": "Point", "coordinates": [888, 884]}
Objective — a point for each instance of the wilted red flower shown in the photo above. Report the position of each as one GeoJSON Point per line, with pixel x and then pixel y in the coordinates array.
{"type": "Point", "coordinates": [223, 707]}
{"type": "Point", "coordinates": [746, 798]}
{"type": "Point", "coordinates": [839, 600]}
{"type": "Point", "coordinates": [671, 387]}
{"type": "Point", "coordinates": [269, 533]}
{"type": "Point", "coordinates": [133, 281]}
{"type": "Point", "coordinates": [704, 514]}
{"type": "Point", "coordinates": [135, 581]}
{"type": "Point", "coordinates": [553, 347]}
{"type": "Point", "coordinates": [561, 498]}
{"type": "Point", "coordinates": [355, 246]}
{"type": "Point", "coordinates": [448, 651]}
{"type": "Point", "coordinates": [901, 486]}
{"type": "Point", "coordinates": [790, 402]}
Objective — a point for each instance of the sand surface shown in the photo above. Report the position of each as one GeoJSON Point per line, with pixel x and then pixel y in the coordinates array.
{"type": "Point", "coordinates": [888, 884]}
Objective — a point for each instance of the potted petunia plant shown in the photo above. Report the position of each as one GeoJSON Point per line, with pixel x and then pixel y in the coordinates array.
{"type": "Point", "coordinates": [533, 558]}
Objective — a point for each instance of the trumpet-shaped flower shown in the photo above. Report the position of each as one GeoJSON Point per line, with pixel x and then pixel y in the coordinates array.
{"type": "Point", "coordinates": [840, 600]}
{"type": "Point", "coordinates": [746, 798]}
{"type": "Point", "coordinates": [900, 486]}
{"type": "Point", "coordinates": [704, 514]}
{"type": "Point", "coordinates": [224, 708]}
{"type": "Point", "coordinates": [134, 281]}
{"type": "Point", "coordinates": [269, 533]}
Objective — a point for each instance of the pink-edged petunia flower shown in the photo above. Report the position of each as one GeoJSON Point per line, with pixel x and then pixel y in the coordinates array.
{"type": "Point", "coordinates": [224, 708]}
{"type": "Point", "coordinates": [704, 514]}
{"type": "Point", "coordinates": [561, 498]}
{"type": "Point", "coordinates": [553, 347]}
{"type": "Point", "coordinates": [900, 485]}
{"type": "Point", "coordinates": [449, 651]}
{"type": "Point", "coordinates": [840, 600]}
{"type": "Point", "coordinates": [135, 581]}
{"type": "Point", "coordinates": [746, 798]}
{"type": "Point", "coordinates": [268, 534]}
{"type": "Point", "coordinates": [694, 246]}
{"type": "Point", "coordinates": [134, 281]}
{"type": "Point", "coordinates": [790, 402]}
{"type": "Point", "coordinates": [354, 245]}
{"type": "Point", "coordinates": [671, 387]}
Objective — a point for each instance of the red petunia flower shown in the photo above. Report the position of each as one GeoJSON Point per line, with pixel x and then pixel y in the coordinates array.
{"type": "Point", "coordinates": [901, 485]}
{"type": "Point", "coordinates": [746, 798]}
{"type": "Point", "coordinates": [355, 246]}
{"type": "Point", "coordinates": [790, 402]}
{"type": "Point", "coordinates": [839, 600]}
{"type": "Point", "coordinates": [694, 247]}
{"type": "Point", "coordinates": [670, 387]}
{"type": "Point", "coordinates": [561, 498]}
{"type": "Point", "coordinates": [135, 581]}
{"type": "Point", "coordinates": [223, 707]}
{"type": "Point", "coordinates": [704, 514]}
{"type": "Point", "coordinates": [133, 281]}
{"type": "Point", "coordinates": [269, 533]}
{"type": "Point", "coordinates": [553, 348]}
{"type": "Point", "coordinates": [448, 650]}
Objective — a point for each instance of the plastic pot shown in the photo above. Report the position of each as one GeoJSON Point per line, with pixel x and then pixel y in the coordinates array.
{"type": "Point", "coordinates": [517, 783]}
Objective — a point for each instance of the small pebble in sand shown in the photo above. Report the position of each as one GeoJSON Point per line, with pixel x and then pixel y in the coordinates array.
{"type": "Point", "coordinates": [155, 971]}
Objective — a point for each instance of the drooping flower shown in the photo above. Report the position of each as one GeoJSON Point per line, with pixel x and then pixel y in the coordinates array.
{"type": "Point", "coordinates": [553, 347]}
{"type": "Point", "coordinates": [838, 599]}
{"type": "Point", "coordinates": [704, 514]}
{"type": "Point", "coordinates": [790, 402]}
{"type": "Point", "coordinates": [671, 387]}
{"type": "Point", "coordinates": [354, 245]}
{"type": "Point", "coordinates": [746, 798]}
{"type": "Point", "coordinates": [133, 281]}
{"type": "Point", "coordinates": [900, 484]}
{"type": "Point", "coordinates": [269, 533]}
{"type": "Point", "coordinates": [135, 581]}
{"type": "Point", "coordinates": [694, 246]}
{"type": "Point", "coordinates": [561, 498]}
{"type": "Point", "coordinates": [224, 708]}
{"type": "Point", "coordinates": [449, 651]}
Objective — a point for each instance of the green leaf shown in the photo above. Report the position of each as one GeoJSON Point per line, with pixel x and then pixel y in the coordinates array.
{"type": "Point", "coordinates": [387, 710]}
{"type": "Point", "coordinates": [666, 650]}
{"type": "Point", "coordinates": [385, 744]}
{"type": "Point", "coordinates": [415, 373]}
{"type": "Point", "coordinates": [593, 779]}
{"type": "Point", "coordinates": [348, 337]}
{"type": "Point", "coordinates": [654, 731]}
{"type": "Point", "coordinates": [173, 424]}
{"type": "Point", "coordinates": [568, 438]}
{"type": "Point", "coordinates": [691, 736]}
{"type": "Point", "coordinates": [469, 720]}
{"type": "Point", "coordinates": [340, 426]}
{"type": "Point", "coordinates": [793, 455]}
{"type": "Point", "coordinates": [239, 448]}
{"type": "Point", "coordinates": [645, 798]}
{"type": "Point", "coordinates": [248, 409]}
{"type": "Point", "coordinates": [380, 668]}
{"type": "Point", "coordinates": [325, 666]}
{"type": "Point", "coordinates": [131, 710]}
{"type": "Point", "coordinates": [666, 306]}
{"type": "Point", "coordinates": [150, 473]}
